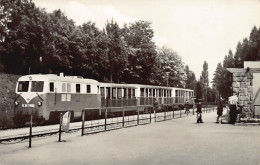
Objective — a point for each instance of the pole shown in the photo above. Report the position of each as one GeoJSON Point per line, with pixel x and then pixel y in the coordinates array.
{"type": "Point", "coordinates": [137, 116]}
{"type": "Point", "coordinates": [60, 127]}
{"type": "Point", "coordinates": [30, 136]}
{"type": "Point", "coordinates": [206, 98]}
{"type": "Point", "coordinates": [106, 119]}
{"type": "Point", "coordinates": [150, 114]}
{"type": "Point", "coordinates": [123, 117]}
{"type": "Point", "coordinates": [83, 122]}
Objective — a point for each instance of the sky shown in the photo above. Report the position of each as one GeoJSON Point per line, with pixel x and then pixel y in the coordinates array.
{"type": "Point", "coordinates": [198, 30]}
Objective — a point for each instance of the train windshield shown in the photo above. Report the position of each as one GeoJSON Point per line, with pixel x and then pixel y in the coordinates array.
{"type": "Point", "coordinates": [23, 86]}
{"type": "Point", "coordinates": [37, 86]}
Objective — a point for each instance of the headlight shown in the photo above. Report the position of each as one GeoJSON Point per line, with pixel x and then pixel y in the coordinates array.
{"type": "Point", "coordinates": [16, 103]}
{"type": "Point", "coordinates": [39, 103]}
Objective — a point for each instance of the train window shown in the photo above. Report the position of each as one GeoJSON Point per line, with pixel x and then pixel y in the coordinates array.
{"type": "Point", "coordinates": [77, 88]}
{"type": "Point", "coordinates": [68, 87]}
{"type": "Point", "coordinates": [63, 87]}
{"type": "Point", "coordinates": [23, 86]}
{"type": "Point", "coordinates": [114, 93]}
{"type": "Point", "coordinates": [150, 92]}
{"type": "Point", "coordinates": [88, 89]}
{"type": "Point", "coordinates": [51, 86]}
{"type": "Point", "coordinates": [129, 92]}
{"type": "Point", "coordinates": [125, 93]}
{"type": "Point", "coordinates": [107, 93]}
{"type": "Point", "coordinates": [119, 93]}
{"type": "Point", "coordinates": [102, 91]}
{"type": "Point", "coordinates": [98, 89]}
{"type": "Point", "coordinates": [133, 93]}
{"type": "Point", "coordinates": [37, 86]}
{"type": "Point", "coordinates": [142, 92]}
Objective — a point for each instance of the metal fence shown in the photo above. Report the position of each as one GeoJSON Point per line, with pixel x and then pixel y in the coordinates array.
{"type": "Point", "coordinates": [111, 118]}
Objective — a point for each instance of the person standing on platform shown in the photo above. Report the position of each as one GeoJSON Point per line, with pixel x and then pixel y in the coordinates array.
{"type": "Point", "coordinates": [199, 113]}
{"type": "Point", "coordinates": [155, 105]}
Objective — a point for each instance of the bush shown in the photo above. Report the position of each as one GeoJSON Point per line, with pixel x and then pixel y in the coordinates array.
{"type": "Point", "coordinates": [7, 96]}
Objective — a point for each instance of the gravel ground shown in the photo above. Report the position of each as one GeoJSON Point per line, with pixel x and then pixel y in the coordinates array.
{"type": "Point", "coordinates": [173, 142]}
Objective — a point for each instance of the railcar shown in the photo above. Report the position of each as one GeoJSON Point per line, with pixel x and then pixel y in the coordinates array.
{"type": "Point", "coordinates": [117, 95]}
{"type": "Point", "coordinates": [46, 96]}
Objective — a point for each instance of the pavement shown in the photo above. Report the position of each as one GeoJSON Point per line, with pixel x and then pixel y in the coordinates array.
{"type": "Point", "coordinates": [179, 141]}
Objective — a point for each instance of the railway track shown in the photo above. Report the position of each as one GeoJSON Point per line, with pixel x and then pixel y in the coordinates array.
{"type": "Point", "coordinates": [22, 134]}
{"type": "Point", "coordinates": [41, 131]}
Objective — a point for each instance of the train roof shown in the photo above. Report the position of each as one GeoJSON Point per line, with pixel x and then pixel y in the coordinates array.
{"type": "Point", "coordinates": [139, 86]}
{"type": "Point", "coordinates": [54, 77]}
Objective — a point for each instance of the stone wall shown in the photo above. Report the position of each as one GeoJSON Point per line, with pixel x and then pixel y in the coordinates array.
{"type": "Point", "coordinates": [242, 87]}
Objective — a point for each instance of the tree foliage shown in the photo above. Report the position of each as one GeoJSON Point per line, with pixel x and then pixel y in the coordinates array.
{"type": "Point", "coordinates": [247, 50]}
{"type": "Point", "coordinates": [34, 41]}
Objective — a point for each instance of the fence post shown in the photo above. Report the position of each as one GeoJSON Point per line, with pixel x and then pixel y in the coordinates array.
{"type": "Point", "coordinates": [83, 122]}
{"type": "Point", "coordinates": [106, 119]}
{"type": "Point", "coordinates": [123, 117]}
{"type": "Point", "coordinates": [137, 115]}
{"type": "Point", "coordinates": [60, 127]}
{"type": "Point", "coordinates": [164, 112]}
{"type": "Point", "coordinates": [150, 114]}
{"type": "Point", "coordinates": [154, 115]}
{"type": "Point", "coordinates": [30, 135]}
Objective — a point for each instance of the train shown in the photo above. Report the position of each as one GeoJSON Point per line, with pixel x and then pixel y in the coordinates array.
{"type": "Point", "coordinates": [46, 96]}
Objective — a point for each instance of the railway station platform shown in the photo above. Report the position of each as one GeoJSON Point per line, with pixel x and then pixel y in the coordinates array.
{"type": "Point", "coordinates": [180, 141]}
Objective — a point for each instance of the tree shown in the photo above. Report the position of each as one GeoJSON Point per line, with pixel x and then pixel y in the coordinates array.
{"type": "Point", "coordinates": [238, 63]}
{"type": "Point", "coordinates": [141, 52]}
{"type": "Point", "coordinates": [198, 91]}
{"type": "Point", "coordinates": [116, 57]}
{"type": "Point", "coordinates": [204, 80]}
{"type": "Point", "coordinates": [23, 46]}
{"type": "Point", "coordinates": [191, 79]}
{"type": "Point", "coordinates": [170, 62]}
{"type": "Point", "coordinates": [5, 18]}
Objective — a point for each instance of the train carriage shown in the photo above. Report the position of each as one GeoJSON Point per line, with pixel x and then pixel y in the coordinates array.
{"type": "Point", "coordinates": [46, 96]}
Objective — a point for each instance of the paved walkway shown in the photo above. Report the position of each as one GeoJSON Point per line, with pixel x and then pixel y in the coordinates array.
{"type": "Point", "coordinates": [173, 142]}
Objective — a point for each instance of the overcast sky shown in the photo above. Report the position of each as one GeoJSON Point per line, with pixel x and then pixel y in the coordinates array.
{"type": "Point", "coordinates": [198, 30]}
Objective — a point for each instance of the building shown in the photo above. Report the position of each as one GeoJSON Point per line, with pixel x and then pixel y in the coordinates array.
{"type": "Point", "coordinates": [246, 85]}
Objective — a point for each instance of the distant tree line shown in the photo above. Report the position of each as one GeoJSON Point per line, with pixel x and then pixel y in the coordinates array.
{"type": "Point", "coordinates": [34, 41]}
{"type": "Point", "coordinates": [248, 50]}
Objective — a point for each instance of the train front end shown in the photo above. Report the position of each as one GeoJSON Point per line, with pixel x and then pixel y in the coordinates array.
{"type": "Point", "coordinates": [29, 100]}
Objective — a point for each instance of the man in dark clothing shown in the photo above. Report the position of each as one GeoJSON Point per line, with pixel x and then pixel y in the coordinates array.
{"type": "Point", "coordinates": [199, 112]}
{"type": "Point", "coordinates": [219, 111]}
{"type": "Point", "coordinates": [155, 105]}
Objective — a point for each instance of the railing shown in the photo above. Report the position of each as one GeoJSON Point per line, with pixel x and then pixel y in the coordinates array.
{"type": "Point", "coordinates": [110, 118]}
{"type": "Point", "coordinates": [143, 101]}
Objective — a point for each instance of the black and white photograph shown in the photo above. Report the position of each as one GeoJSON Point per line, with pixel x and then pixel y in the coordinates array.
{"type": "Point", "coordinates": [129, 82]}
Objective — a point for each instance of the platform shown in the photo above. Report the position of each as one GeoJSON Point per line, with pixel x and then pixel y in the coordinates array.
{"type": "Point", "coordinates": [172, 142]}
